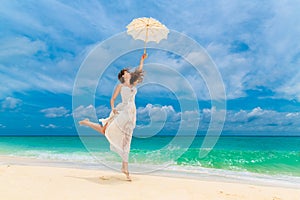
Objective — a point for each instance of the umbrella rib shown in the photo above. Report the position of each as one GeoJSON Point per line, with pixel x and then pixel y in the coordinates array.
{"type": "Point", "coordinates": [139, 26]}
{"type": "Point", "coordinates": [156, 25]}
{"type": "Point", "coordinates": [139, 33]}
{"type": "Point", "coordinates": [153, 35]}
{"type": "Point", "coordinates": [143, 21]}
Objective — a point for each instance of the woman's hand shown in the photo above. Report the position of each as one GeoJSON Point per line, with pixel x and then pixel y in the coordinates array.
{"type": "Point", "coordinates": [144, 56]}
{"type": "Point", "coordinates": [115, 111]}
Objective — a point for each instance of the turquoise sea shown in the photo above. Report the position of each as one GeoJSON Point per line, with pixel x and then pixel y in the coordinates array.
{"type": "Point", "coordinates": [269, 157]}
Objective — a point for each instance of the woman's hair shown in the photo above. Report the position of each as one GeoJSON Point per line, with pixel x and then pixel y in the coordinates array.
{"type": "Point", "coordinates": [136, 76]}
{"type": "Point", "coordinates": [121, 73]}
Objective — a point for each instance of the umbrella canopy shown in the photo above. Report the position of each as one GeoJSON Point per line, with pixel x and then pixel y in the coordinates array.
{"type": "Point", "coordinates": [147, 30]}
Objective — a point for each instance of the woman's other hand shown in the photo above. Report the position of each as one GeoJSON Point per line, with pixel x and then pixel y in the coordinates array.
{"type": "Point", "coordinates": [115, 111]}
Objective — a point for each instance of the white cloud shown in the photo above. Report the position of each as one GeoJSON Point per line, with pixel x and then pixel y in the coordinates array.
{"type": "Point", "coordinates": [272, 57]}
{"type": "Point", "coordinates": [233, 67]}
{"type": "Point", "coordinates": [158, 113]}
{"type": "Point", "coordinates": [10, 84]}
{"type": "Point", "coordinates": [82, 112]}
{"type": "Point", "coordinates": [55, 112]}
{"type": "Point", "coordinates": [102, 111]}
{"type": "Point", "coordinates": [152, 118]}
{"type": "Point", "coordinates": [259, 119]}
{"type": "Point", "coordinates": [52, 84]}
{"type": "Point", "coordinates": [90, 112]}
{"type": "Point", "coordinates": [253, 120]}
{"type": "Point", "coordinates": [292, 115]}
{"type": "Point", "coordinates": [11, 103]}
{"type": "Point", "coordinates": [256, 112]}
{"type": "Point", "coordinates": [19, 46]}
{"type": "Point", "coordinates": [41, 50]}
{"type": "Point", "coordinates": [291, 88]}
{"type": "Point", "coordinates": [52, 126]}
{"type": "Point", "coordinates": [194, 75]}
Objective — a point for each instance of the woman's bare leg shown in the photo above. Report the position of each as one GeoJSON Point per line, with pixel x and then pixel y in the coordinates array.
{"type": "Point", "coordinates": [93, 125]}
{"type": "Point", "coordinates": [125, 170]}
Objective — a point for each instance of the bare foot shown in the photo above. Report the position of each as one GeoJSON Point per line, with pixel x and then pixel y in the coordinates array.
{"type": "Point", "coordinates": [84, 122]}
{"type": "Point", "coordinates": [127, 174]}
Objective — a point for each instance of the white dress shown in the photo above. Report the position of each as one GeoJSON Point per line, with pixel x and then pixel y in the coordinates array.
{"type": "Point", "coordinates": [120, 126]}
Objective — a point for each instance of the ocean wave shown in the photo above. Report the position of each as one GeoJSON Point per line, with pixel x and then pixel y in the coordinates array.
{"type": "Point", "coordinates": [156, 155]}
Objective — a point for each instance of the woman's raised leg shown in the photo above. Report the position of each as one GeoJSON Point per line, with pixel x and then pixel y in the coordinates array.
{"type": "Point", "coordinates": [93, 125]}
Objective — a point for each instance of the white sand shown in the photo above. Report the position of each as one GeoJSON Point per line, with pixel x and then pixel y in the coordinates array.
{"type": "Point", "coordinates": [49, 182]}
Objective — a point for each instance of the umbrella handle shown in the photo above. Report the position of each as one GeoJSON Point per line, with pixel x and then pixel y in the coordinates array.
{"type": "Point", "coordinates": [146, 40]}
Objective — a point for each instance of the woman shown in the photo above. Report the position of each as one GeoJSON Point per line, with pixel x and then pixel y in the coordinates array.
{"type": "Point", "coordinates": [118, 127]}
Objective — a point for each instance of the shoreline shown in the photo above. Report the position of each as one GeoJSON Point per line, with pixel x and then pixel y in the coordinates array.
{"type": "Point", "coordinates": [212, 174]}
{"type": "Point", "coordinates": [32, 179]}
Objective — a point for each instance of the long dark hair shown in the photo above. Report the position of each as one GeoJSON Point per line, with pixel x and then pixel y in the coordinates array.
{"type": "Point", "coordinates": [136, 76]}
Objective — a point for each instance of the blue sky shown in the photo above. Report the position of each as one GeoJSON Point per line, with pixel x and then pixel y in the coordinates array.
{"type": "Point", "coordinates": [254, 44]}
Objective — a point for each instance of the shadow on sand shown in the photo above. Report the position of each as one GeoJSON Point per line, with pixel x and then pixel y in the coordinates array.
{"type": "Point", "coordinates": [106, 179]}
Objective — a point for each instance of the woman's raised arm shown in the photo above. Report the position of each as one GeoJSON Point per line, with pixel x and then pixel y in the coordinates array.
{"type": "Point", "coordinates": [144, 56]}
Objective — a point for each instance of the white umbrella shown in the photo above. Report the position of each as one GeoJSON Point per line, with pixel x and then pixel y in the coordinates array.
{"type": "Point", "coordinates": [147, 29]}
